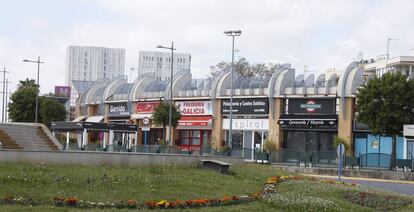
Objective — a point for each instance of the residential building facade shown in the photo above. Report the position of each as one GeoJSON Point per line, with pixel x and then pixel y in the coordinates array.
{"type": "Point", "coordinates": [159, 64]}
{"type": "Point", "coordinates": [88, 63]}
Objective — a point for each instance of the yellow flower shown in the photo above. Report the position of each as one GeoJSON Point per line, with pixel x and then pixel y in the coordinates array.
{"type": "Point", "coordinates": [162, 203]}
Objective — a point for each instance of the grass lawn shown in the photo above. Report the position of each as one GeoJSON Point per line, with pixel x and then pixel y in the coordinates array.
{"type": "Point", "coordinates": [114, 184]}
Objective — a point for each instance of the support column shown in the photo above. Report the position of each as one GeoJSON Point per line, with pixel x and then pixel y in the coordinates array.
{"type": "Point", "coordinates": [79, 139]}
{"type": "Point", "coordinates": [130, 136]}
{"type": "Point", "coordinates": [345, 121]}
{"type": "Point", "coordinates": [104, 142]}
{"type": "Point", "coordinates": [111, 141]}
{"type": "Point", "coordinates": [136, 138]}
{"type": "Point", "coordinates": [67, 140]}
{"type": "Point", "coordinates": [275, 133]}
{"type": "Point", "coordinates": [84, 138]}
{"type": "Point", "coordinates": [217, 133]}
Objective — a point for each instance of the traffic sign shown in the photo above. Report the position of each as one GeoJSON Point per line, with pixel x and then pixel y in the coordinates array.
{"type": "Point", "coordinates": [145, 121]}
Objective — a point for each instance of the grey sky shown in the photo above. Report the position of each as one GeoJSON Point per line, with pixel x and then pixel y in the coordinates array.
{"type": "Point", "coordinates": [324, 34]}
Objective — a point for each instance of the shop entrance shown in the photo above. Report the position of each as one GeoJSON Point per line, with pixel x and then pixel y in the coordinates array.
{"type": "Point", "coordinates": [194, 140]}
{"type": "Point", "coordinates": [308, 141]}
{"type": "Point", "coordinates": [152, 137]}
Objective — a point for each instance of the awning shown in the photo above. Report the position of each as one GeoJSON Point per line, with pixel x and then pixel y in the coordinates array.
{"type": "Point", "coordinates": [141, 115]}
{"type": "Point", "coordinates": [308, 122]}
{"type": "Point", "coordinates": [94, 119]}
{"type": "Point", "coordinates": [79, 118]}
{"type": "Point", "coordinates": [195, 122]}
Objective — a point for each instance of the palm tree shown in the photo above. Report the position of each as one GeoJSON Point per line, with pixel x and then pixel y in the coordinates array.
{"type": "Point", "coordinates": [27, 83]}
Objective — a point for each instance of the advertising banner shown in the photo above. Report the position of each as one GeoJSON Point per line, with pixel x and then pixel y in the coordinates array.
{"type": "Point", "coordinates": [62, 91]}
{"type": "Point", "coordinates": [146, 107]}
{"type": "Point", "coordinates": [118, 109]}
{"type": "Point", "coordinates": [194, 108]}
{"type": "Point", "coordinates": [246, 106]}
{"type": "Point", "coordinates": [311, 106]}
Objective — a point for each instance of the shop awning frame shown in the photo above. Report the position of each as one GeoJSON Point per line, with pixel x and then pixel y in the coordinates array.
{"type": "Point", "coordinates": [92, 126]}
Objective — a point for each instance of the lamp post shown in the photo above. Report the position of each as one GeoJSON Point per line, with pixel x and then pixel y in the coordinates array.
{"type": "Point", "coordinates": [38, 85]}
{"type": "Point", "coordinates": [232, 33]}
{"type": "Point", "coordinates": [388, 55]}
{"type": "Point", "coordinates": [171, 86]}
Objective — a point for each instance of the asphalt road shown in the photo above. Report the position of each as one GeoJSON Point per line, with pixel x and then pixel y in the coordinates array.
{"type": "Point", "coordinates": [404, 187]}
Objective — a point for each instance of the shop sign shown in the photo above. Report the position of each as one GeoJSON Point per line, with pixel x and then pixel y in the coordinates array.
{"type": "Point", "coordinates": [308, 124]}
{"type": "Point", "coordinates": [408, 130]}
{"type": "Point", "coordinates": [311, 106]}
{"type": "Point", "coordinates": [118, 109]}
{"type": "Point", "coordinates": [375, 144]}
{"type": "Point", "coordinates": [246, 124]}
{"type": "Point", "coordinates": [195, 122]}
{"type": "Point", "coordinates": [194, 108]}
{"type": "Point", "coordinates": [246, 106]}
{"type": "Point", "coordinates": [146, 107]}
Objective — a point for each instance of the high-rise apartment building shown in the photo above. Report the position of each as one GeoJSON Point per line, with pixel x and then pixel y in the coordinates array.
{"type": "Point", "coordinates": [159, 63]}
{"type": "Point", "coordinates": [88, 63]}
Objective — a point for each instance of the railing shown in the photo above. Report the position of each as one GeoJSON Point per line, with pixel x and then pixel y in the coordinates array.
{"type": "Point", "coordinates": [325, 158]}
{"type": "Point", "coordinates": [282, 156]}
{"type": "Point", "coordinates": [285, 156]}
{"type": "Point", "coordinates": [375, 160]}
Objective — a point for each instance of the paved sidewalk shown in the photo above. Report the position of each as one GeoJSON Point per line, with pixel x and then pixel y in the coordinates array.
{"type": "Point", "coordinates": [404, 187]}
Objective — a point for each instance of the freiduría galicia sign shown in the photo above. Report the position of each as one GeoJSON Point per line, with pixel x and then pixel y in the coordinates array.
{"type": "Point", "coordinates": [194, 108]}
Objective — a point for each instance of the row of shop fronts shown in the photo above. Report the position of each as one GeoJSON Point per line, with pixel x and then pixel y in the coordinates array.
{"type": "Point", "coordinates": [303, 124]}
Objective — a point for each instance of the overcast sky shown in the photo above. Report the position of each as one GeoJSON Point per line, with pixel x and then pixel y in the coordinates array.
{"type": "Point", "coordinates": [322, 34]}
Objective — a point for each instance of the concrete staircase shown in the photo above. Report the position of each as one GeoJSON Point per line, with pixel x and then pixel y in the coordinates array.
{"type": "Point", "coordinates": [7, 142]}
{"type": "Point", "coordinates": [26, 137]}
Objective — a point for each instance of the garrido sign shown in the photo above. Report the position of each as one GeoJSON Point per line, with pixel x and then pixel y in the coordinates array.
{"type": "Point", "coordinates": [118, 109]}
{"type": "Point", "coordinates": [246, 106]}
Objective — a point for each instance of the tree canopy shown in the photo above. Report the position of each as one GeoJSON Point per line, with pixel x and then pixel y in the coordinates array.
{"type": "Point", "coordinates": [23, 104]}
{"type": "Point", "coordinates": [161, 115]}
{"type": "Point", "coordinates": [51, 110]}
{"type": "Point", "coordinates": [27, 83]}
{"type": "Point", "coordinates": [243, 68]}
{"type": "Point", "coordinates": [385, 104]}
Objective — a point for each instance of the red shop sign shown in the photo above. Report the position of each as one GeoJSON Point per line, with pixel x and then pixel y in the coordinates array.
{"type": "Point", "coordinates": [146, 107]}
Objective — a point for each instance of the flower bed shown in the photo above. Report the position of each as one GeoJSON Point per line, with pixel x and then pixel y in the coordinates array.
{"type": "Point", "coordinates": [268, 190]}
{"type": "Point", "coordinates": [377, 201]}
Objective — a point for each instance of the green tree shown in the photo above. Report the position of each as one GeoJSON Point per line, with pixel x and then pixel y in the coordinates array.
{"type": "Point", "coordinates": [23, 104]}
{"type": "Point", "coordinates": [161, 116]}
{"type": "Point", "coordinates": [385, 104]}
{"type": "Point", "coordinates": [51, 110]}
{"type": "Point", "coordinates": [27, 83]}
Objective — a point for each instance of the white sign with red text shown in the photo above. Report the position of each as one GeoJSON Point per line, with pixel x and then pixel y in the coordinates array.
{"type": "Point", "coordinates": [194, 108]}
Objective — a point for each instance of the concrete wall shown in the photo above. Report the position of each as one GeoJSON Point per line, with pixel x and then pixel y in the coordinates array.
{"type": "Point", "coordinates": [105, 158]}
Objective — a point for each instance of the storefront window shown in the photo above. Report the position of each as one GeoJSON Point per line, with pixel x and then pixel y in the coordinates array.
{"type": "Point", "coordinates": [307, 141]}
{"type": "Point", "coordinates": [410, 149]}
{"type": "Point", "coordinates": [193, 137]}
{"type": "Point", "coordinates": [195, 140]}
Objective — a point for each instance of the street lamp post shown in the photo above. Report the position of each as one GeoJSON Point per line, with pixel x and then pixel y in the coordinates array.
{"type": "Point", "coordinates": [38, 85]}
{"type": "Point", "coordinates": [171, 86]}
{"type": "Point", "coordinates": [232, 33]}
{"type": "Point", "coordinates": [388, 55]}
